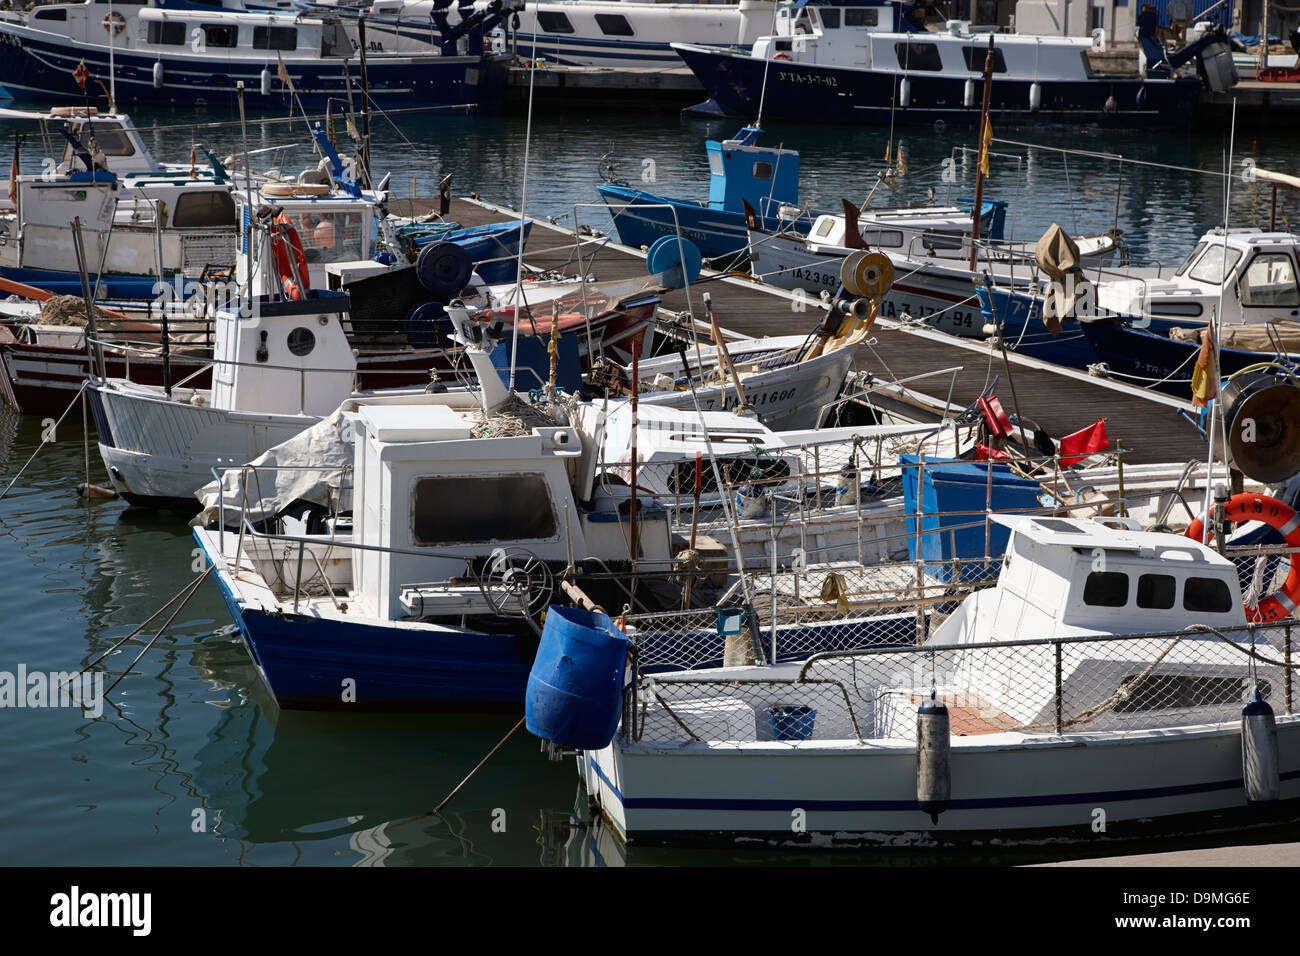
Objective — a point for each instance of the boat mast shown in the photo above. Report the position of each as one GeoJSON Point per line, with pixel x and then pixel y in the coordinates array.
{"type": "Point", "coordinates": [983, 154]}
{"type": "Point", "coordinates": [1216, 329]}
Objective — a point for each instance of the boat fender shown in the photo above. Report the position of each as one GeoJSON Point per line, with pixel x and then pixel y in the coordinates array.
{"type": "Point", "coordinates": [157, 75]}
{"type": "Point", "coordinates": [846, 485]}
{"type": "Point", "coordinates": [266, 81]}
{"type": "Point", "coordinates": [1035, 96]}
{"type": "Point", "coordinates": [1286, 521]}
{"type": "Point", "coordinates": [1259, 763]}
{"type": "Point", "coordinates": [904, 92]}
{"type": "Point", "coordinates": [968, 94]}
{"type": "Point", "coordinates": [933, 767]}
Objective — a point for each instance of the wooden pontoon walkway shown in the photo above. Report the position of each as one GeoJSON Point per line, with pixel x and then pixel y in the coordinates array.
{"type": "Point", "coordinates": [1149, 425]}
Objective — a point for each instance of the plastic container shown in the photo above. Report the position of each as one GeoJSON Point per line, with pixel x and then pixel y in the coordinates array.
{"type": "Point", "coordinates": [575, 686]}
{"type": "Point", "coordinates": [792, 722]}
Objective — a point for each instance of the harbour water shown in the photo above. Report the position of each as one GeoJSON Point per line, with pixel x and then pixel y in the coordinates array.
{"type": "Point", "coordinates": [191, 761]}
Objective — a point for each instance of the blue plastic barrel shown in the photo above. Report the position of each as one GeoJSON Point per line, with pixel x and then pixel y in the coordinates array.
{"type": "Point", "coordinates": [443, 268]}
{"type": "Point", "coordinates": [575, 686]}
{"type": "Point", "coordinates": [426, 326]}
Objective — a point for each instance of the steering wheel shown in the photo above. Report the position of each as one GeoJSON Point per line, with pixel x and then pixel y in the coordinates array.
{"type": "Point", "coordinates": [516, 583]}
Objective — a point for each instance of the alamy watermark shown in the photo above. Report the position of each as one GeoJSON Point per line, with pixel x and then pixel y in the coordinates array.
{"type": "Point", "coordinates": [42, 689]}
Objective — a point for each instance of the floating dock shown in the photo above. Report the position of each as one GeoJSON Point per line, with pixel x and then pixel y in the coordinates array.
{"type": "Point", "coordinates": [1152, 427]}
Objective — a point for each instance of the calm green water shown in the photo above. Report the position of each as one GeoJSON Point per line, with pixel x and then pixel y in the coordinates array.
{"type": "Point", "coordinates": [192, 763]}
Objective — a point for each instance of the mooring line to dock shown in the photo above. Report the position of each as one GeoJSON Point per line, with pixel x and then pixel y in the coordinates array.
{"type": "Point", "coordinates": [190, 587]}
{"type": "Point", "coordinates": [47, 438]}
{"type": "Point", "coordinates": [193, 587]}
{"type": "Point", "coordinates": [468, 776]}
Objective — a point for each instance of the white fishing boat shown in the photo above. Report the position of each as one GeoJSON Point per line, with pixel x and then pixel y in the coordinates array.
{"type": "Point", "coordinates": [929, 248]}
{"type": "Point", "coordinates": [1095, 693]}
{"type": "Point", "coordinates": [619, 34]}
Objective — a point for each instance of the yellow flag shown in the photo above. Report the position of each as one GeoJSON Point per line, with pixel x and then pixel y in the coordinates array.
{"type": "Point", "coordinates": [986, 143]}
{"type": "Point", "coordinates": [888, 147]}
{"type": "Point", "coordinates": [902, 162]}
{"type": "Point", "coordinates": [1205, 383]}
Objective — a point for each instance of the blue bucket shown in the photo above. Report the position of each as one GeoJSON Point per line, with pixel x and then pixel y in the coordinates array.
{"type": "Point", "coordinates": [792, 722]}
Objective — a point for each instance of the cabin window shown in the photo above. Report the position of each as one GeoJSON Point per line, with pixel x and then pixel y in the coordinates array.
{"type": "Point", "coordinates": [715, 164]}
{"type": "Point", "coordinates": [275, 38]}
{"type": "Point", "coordinates": [614, 25]}
{"type": "Point", "coordinates": [918, 56]}
{"type": "Point", "coordinates": [219, 36]}
{"type": "Point", "coordinates": [329, 236]}
{"type": "Point", "coordinates": [762, 170]}
{"type": "Point", "coordinates": [830, 18]}
{"type": "Point", "coordinates": [301, 341]}
{"type": "Point", "coordinates": [111, 141]}
{"type": "Point", "coordinates": [211, 208]}
{"type": "Point", "coordinates": [478, 509]}
{"type": "Point", "coordinates": [552, 22]}
{"type": "Point", "coordinates": [825, 228]}
{"type": "Point", "coordinates": [883, 237]}
{"type": "Point", "coordinates": [1207, 596]}
{"type": "Point", "coordinates": [1269, 280]}
{"type": "Point", "coordinates": [784, 46]}
{"type": "Point", "coordinates": [976, 55]}
{"type": "Point", "coordinates": [166, 32]}
{"type": "Point", "coordinates": [869, 17]}
{"type": "Point", "coordinates": [51, 14]}
{"type": "Point", "coordinates": [1156, 591]}
{"type": "Point", "coordinates": [1106, 589]}
{"type": "Point", "coordinates": [1191, 309]}
{"type": "Point", "coordinates": [1187, 263]}
{"type": "Point", "coordinates": [1165, 691]}
{"type": "Point", "coordinates": [1213, 266]}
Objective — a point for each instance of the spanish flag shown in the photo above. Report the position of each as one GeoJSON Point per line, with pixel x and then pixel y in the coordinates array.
{"type": "Point", "coordinates": [986, 143]}
{"type": "Point", "coordinates": [902, 162]}
{"type": "Point", "coordinates": [1205, 381]}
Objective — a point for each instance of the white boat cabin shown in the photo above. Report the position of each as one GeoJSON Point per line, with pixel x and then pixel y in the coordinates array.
{"type": "Point", "coordinates": [1257, 274]}
{"type": "Point", "coordinates": [867, 38]}
{"type": "Point", "coordinates": [1070, 577]}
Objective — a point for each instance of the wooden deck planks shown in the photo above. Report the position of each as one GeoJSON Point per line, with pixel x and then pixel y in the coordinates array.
{"type": "Point", "coordinates": [1062, 401]}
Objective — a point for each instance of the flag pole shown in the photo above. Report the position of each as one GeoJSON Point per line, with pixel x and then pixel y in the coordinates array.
{"type": "Point", "coordinates": [985, 138]}
{"type": "Point", "coordinates": [112, 70]}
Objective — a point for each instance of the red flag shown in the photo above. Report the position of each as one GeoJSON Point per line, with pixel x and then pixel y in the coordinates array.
{"type": "Point", "coordinates": [985, 453]}
{"type": "Point", "coordinates": [193, 157]}
{"type": "Point", "coordinates": [1074, 448]}
{"type": "Point", "coordinates": [81, 74]}
{"type": "Point", "coordinates": [1205, 384]}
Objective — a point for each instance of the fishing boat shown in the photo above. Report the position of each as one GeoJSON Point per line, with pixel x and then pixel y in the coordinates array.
{"type": "Point", "coordinates": [174, 53]}
{"type": "Point", "coordinates": [1081, 699]}
{"type": "Point", "coordinates": [879, 64]}
{"type": "Point", "coordinates": [619, 34]}
{"type": "Point", "coordinates": [1246, 277]}
{"type": "Point", "coordinates": [741, 173]}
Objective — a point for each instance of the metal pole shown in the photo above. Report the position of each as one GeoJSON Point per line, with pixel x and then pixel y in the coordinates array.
{"type": "Point", "coordinates": [94, 352]}
{"type": "Point", "coordinates": [979, 168]}
{"type": "Point", "coordinates": [365, 103]}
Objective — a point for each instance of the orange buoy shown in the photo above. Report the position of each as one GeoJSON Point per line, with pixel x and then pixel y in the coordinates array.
{"type": "Point", "coordinates": [1282, 517]}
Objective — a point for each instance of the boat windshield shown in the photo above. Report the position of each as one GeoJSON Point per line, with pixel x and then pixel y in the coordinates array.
{"type": "Point", "coordinates": [1187, 263]}
{"type": "Point", "coordinates": [1215, 264]}
{"type": "Point", "coordinates": [330, 236]}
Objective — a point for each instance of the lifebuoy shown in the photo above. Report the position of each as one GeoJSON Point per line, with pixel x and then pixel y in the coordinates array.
{"type": "Point", "coordinates": [781, 56]}
{"type": "Point", "coordinates": [284, 238]}
{"type": "Point", "coordinates": [114, 23]}
{"type": "Point", "coordinates": [1275, 514]}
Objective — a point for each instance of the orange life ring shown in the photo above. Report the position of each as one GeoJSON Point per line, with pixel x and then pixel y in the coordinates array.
{"type": "Point", "coordinates": [1275, 514]}
{"type": "Point", "coordinates": [283, 238]}
{"type": "Point", "coordinates": [781, 56]}
{"type": "Point", "coordinates": [114, 22]}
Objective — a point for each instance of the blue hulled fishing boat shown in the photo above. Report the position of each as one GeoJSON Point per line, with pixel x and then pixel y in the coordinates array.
{"type": "Point", "coordinates": [173, 52]}
{"type": "Point", "coordinates": [878, 63]}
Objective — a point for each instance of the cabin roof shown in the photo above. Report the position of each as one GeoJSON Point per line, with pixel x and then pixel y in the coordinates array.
{"type": "Point", "coordinates": [1088, 534]}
